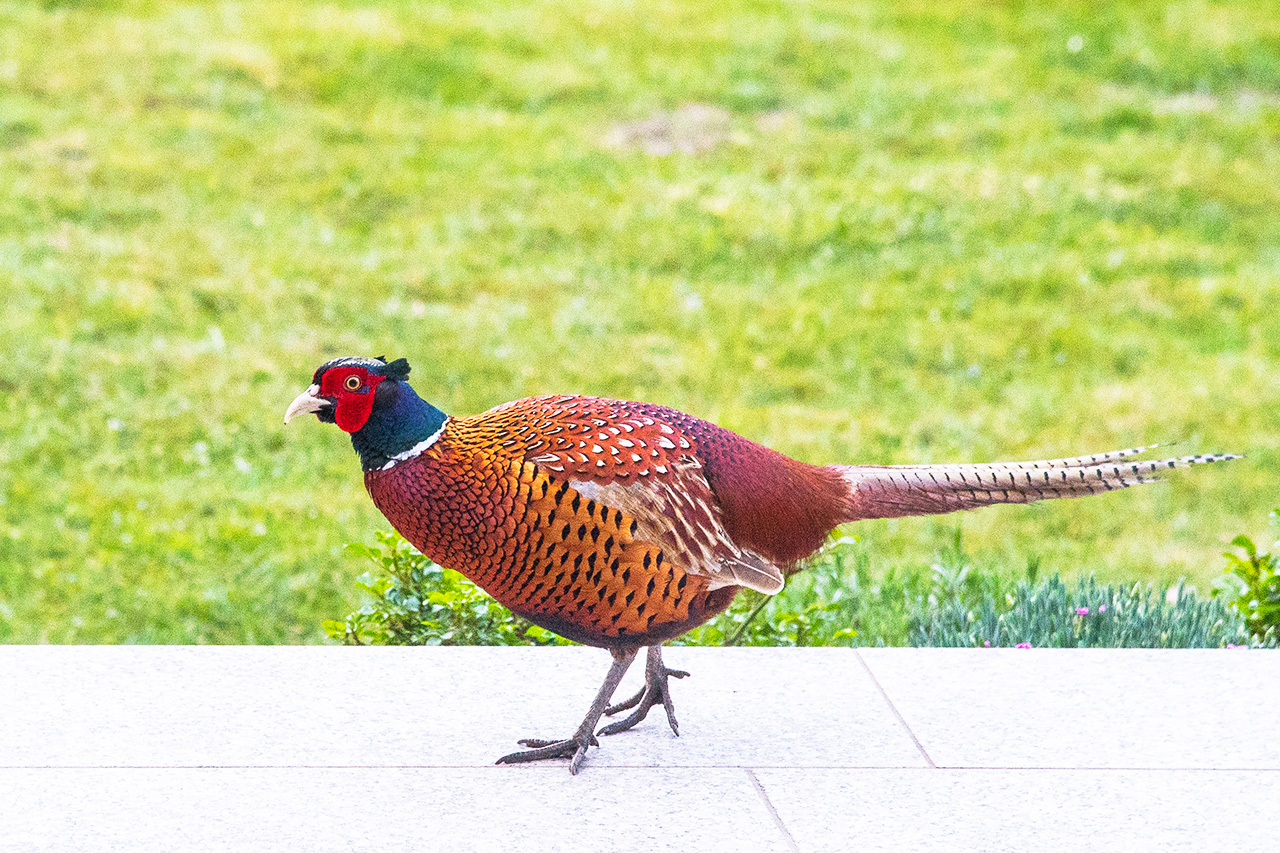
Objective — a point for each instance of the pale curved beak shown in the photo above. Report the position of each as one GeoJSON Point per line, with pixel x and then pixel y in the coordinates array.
{"type": "Point", "coordinates": [308, 401]}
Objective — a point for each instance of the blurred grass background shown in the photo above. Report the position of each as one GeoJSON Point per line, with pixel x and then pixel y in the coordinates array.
{"type": "Point", "coordinates": [880, 232]}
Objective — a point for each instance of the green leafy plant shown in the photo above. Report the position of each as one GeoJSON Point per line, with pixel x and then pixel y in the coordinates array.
{"type": "Point", "coordinates": [1251, 584]}
{"type": "Point", "coordinates": [415, 602]}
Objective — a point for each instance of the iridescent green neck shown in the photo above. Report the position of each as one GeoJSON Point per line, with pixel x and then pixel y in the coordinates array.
{"type": "Point", "coordinates": [401, 426]}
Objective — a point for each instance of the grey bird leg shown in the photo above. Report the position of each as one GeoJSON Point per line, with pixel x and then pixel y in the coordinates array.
{"type": "Point", "coordinates": [655, 690]}
{"type": "Point", "coordinates": [575, 748]}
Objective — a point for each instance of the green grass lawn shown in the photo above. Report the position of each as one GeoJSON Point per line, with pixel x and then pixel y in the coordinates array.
{"type": "Point", "coordinates": [886, 232]}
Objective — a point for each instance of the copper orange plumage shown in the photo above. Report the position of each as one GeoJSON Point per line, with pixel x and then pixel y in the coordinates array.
{"type": "Point", "coordinates": [622, 524]}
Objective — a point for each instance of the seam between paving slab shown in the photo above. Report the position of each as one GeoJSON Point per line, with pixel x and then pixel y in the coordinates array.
{"type": "Point", "coordinates": [894, 708]}
{"type": "Point", "coordinates": [491, 768]}
{"type": "Point", "coordinates": [773, 812]}
{"type": "Point", "coordinates": [612, 767]}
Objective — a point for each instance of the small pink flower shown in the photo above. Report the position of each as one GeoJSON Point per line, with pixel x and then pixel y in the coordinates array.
{"type": "Point", "coordinates": [1231, 645]}
{"type": "Point", "coordinates": [1082, 611]}
{"type": "Point", "coordinates": [1102, 608]}
{"type": "Point", "coordinates": [1023, 646]}
{"type": "Point", "coordinates": [986, 644]}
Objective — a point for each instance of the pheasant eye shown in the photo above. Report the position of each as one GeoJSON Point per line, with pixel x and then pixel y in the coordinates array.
{"type": "Point", "coordinates": [352, 383]}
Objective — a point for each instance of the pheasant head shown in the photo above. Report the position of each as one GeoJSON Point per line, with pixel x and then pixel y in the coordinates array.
{"type": "Point", "coordinates": [370, 398]}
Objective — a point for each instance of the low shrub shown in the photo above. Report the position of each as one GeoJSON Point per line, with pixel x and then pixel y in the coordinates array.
{"type": "Point", "coordinates": [836, 601]}
{"type": "Point", "coordinates": [1086, 614]}
{"type": "Point", "coordinates": [1251, 584]}
{"type": "Point", "coordinates": [414, 602]}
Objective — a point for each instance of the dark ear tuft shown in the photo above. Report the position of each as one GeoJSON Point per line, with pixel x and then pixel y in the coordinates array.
{"type": "Point", "coordinates": [398, 369]}
{"type": "Point", "coordinates": [382, 358]}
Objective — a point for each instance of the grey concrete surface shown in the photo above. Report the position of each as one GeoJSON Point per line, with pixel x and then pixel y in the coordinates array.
{"type": "Point", "coordinates": [1015, 810]}
{"type": "Point", "coordinates": [1085, 707]}
{"type": "Point", "coordinates": [302, 748]}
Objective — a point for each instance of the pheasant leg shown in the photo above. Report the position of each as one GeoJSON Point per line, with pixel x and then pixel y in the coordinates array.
{"type": "Point", "coordinates": [575, 747]}
{"type": "Point", "coordinates": [655, 690]}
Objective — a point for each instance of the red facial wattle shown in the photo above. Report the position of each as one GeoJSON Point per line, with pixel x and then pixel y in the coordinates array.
{"type": "Point", "coordinates": [352, 403]}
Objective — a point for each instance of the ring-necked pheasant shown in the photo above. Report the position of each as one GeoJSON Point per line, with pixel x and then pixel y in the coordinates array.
{"type": "Point", "coordinates": [621, 524]}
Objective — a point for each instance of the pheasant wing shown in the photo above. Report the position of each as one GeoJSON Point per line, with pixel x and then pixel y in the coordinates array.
{"type": "Point", "coordinates": [633, 460]}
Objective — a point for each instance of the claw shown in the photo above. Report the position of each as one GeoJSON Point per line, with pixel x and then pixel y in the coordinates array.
{"type": "Point", "coordinates": [573, 749]}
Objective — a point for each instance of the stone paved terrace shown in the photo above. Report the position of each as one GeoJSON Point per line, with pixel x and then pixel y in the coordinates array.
{"type": "Point", "coordinates": [329, 748]}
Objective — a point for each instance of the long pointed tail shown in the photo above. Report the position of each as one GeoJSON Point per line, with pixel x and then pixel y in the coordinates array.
{"type": "Point", "coordinates": [894, 491]}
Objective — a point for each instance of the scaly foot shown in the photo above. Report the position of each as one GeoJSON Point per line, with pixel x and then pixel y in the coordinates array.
{"type": "Point", "coordinates": [575, 747]}
{"type": "Point", "coordinates": [655, 691]}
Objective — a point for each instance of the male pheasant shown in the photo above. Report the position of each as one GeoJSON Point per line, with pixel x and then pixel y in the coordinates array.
{"type": "Point", "coordinates": [621, 524]}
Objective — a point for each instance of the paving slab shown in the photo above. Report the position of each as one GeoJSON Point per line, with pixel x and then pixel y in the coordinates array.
{"type": "Point", "coordinates": [360, 809]}
{"type": "Point", "coordinates": [299, 748]}
{"type": "Point", "coordinates": [1027, 810]}
{"type": "Point", "coordinates": [173, 706]}
{"type": "Point", "coordinates": [1101, 708]}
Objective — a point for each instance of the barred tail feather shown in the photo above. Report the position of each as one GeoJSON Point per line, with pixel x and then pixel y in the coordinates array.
{"type": "Point", "coordinates": [894, 491]}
